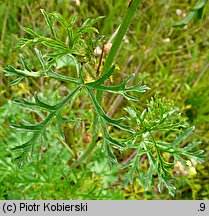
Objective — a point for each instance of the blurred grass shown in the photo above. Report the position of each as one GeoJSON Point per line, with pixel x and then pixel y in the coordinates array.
{"type": "Point", "coordinates": [173, 62]}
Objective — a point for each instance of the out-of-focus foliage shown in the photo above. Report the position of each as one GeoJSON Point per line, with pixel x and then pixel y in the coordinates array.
{"type": "Point", "coordinates": [172, 61]}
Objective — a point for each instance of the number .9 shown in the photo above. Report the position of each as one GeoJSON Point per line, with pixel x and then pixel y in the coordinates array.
{"type": "Point", "coordinates": [202, 206]}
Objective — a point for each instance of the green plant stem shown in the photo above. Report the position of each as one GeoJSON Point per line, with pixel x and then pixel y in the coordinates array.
{"type": "Point", "coordinates": [117, 41]}
{"type": "Point", "coordinates": [5, 23]}
{"type": "Point", "coordinates": [91, 146]}
{"type": "Point", "coordinates": [111, 56]}
{"type": "Point", "coordinates": [121, 33]}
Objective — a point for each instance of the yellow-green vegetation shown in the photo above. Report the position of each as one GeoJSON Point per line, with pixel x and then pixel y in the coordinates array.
{"type": "Point", "coordinates": [104, 99]}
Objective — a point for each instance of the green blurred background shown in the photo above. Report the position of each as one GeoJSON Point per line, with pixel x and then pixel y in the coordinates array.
{"type": "Point", "coordinates": [173, 62]}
